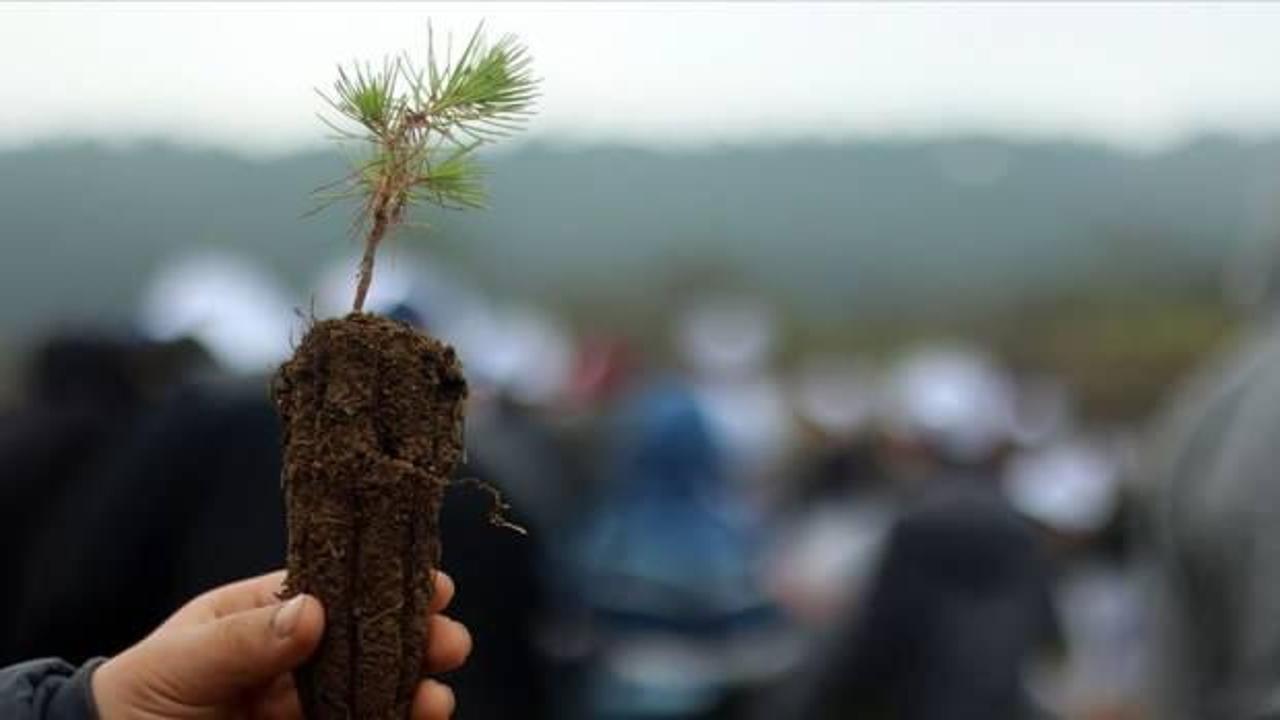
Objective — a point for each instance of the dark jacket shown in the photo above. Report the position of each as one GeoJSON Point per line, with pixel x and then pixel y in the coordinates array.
{"type": "Point", "coordinates": [47, 690]}
{"type": "Point", "coordinates": [961, 603]}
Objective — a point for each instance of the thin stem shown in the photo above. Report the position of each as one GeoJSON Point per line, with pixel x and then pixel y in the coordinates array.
{"type": "Point", "coordinates": [376, 232]}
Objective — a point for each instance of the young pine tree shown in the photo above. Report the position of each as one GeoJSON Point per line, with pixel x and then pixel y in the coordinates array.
{"type": "Point", "coordinates": [372, 409]}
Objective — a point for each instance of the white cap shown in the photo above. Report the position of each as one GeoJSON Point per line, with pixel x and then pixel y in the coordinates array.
{"type": "Point", "coordinates": [1072, 487]}
{"type": "Point", "coordinates": [235, 309]}
{"type": "Point", "coordinates": [726, 335]}
{"type": "Point", "coordinates": [955, 398]}
{"type": "Point", "coordinates": [1044, 411]}
{"type": "Point", "coordinates": [521, 348]}
{"type": "Point", "coordinates": [834, 393]}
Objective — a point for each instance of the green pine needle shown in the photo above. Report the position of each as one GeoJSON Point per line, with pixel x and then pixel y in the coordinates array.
{"type": "Point", "coordinates": [414, 131]}
{"type": "Point", "coordinates": [416, 128]}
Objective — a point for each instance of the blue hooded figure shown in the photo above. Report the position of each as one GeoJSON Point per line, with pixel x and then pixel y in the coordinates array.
{"type": "Point", "coordinates": [668, 567]}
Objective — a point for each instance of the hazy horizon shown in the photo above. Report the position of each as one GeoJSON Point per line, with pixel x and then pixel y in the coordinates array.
{"type": "Point", "coordinates": [241, 77]}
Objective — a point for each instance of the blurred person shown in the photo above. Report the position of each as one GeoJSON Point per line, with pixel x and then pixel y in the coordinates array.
{"type": "Point", "coordinates": [84, 392]}
{"type": "Point", "coordinates": [606, 369]}
{"type": "Point", "coordinates": [1209, 488]}
{"type": "Point", "coordinates": [667, 569]}
{"type": "Point", "coordinates": [836, 510]}
{"type": "Point", "coordinates": [1071, 490]}
{"type": "Point", "coordinates": [197, 452]}
{"type": "Point", "coordinates": [227, 653]}
{"type": "Point", "coordinates": [829, 525]}
{"type": "Point", "coordinates": [727, 343]}
{"type": "Point", "coordinates": [825, 551]}
{"type": "Point", "coordinates": [233, 307]}
{"type": "Point", "coordinates": [960, 604]}
{"type": "Point", "coordinates": [526, 374]}
{"type": "Point", "coordinates": [520, 368]}
{"type": "Point", "coordinates": [532, 358]}
{"type": "Point", "coordinates": [187, 499]}
{"type": "Point", "coordinates": [946, 409]}
{"type": "Point", "coordinates": [1043, 411]}
{"type": "Point", "coordinates": [834, 396]}
{"type": "Point", "coordinates": [1212, 491]}
{"type": "Point", "coordinates": [603, 365]}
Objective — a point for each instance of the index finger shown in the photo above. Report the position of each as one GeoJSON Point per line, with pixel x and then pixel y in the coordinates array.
{"type": "Point", "coordinates": [236, 597]}
{"type": "Point", "coordinates": [264, 590]}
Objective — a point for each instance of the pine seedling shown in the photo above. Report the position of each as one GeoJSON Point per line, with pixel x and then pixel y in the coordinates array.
{"type": "Point", "coordinates": [415, 128]}
{"type": "Point", "coordinates": [372, 409]}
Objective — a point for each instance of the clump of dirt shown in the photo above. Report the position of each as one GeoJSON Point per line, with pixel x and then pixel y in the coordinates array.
{"type": "Point", "coordinates": [373, 429]}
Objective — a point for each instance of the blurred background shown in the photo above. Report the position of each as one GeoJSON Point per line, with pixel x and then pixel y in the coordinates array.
{"type": "Point", "coordinates": [817, 345]}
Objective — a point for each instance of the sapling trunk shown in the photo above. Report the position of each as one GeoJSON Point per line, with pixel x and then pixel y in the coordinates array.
{"type": "Point", "coordinates": [365, 278]}
{"type": "Point", "coordinates": [372, 408]}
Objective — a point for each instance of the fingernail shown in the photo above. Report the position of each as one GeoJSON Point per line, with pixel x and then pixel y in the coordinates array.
{"type": "Point", "coordinates": [286, 618]}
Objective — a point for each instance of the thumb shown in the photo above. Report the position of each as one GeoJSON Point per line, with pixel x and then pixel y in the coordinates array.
{"type": "Point", "coordinates": [216, 661]}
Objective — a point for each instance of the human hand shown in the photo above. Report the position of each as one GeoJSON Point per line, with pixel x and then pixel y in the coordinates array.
{"type": "Point", "coordinates": [228, 655]}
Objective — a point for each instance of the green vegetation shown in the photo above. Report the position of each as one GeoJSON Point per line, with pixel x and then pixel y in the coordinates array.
{"type": "Point", "coordinates": [417, 129]}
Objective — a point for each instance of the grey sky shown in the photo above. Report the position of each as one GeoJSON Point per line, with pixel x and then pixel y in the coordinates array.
{"type": "Point", "coordinates": [241, 76]}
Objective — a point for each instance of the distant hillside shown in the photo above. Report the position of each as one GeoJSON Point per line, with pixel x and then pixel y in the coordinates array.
{"type": "Point", "coordinates": [834, 229]}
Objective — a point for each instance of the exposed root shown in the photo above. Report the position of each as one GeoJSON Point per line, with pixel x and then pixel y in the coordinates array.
{"type": "Point", "coordinates": [499, 508]}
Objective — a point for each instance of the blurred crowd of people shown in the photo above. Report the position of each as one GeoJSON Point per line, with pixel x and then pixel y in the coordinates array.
{"type": "Point", "coordinates": [718, 536]}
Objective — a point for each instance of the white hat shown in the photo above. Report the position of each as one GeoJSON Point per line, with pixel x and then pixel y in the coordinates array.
{"type": "Point", "coordinates": [1073, 487]}
{"type": "Point", "coordinates": [834, 394]}
{"type": "Point", "coordinates": [520, 348]}
{"type": "Point", "coordinates": [235, 309]}
{"type": "Point", "coordinates": [955, 398]}
{"type": "Point", "coordinates": [726, 335]}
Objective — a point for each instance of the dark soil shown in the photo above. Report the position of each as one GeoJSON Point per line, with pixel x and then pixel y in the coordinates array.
{"type": "Point", "coordinates": [373, 430]}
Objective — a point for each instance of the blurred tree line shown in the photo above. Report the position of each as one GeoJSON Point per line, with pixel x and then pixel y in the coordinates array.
{"type": "Point", "coordinates": [1098, 264]}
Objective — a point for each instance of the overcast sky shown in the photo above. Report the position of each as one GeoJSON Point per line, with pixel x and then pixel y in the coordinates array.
{"type": "Point", "coordinates": [241, 76]}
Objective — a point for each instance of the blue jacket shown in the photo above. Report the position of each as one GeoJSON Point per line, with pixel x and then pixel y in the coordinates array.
{"type": "Point", "coordinates": [47, 689]}
{"type": "Point", "coordinates": [669, 549]}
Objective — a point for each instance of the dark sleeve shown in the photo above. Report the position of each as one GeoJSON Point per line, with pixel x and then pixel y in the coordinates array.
{"type": "Point", "coordinates": [47, 690]}
{"type": "Point", "coordinates": [1051, 637]}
